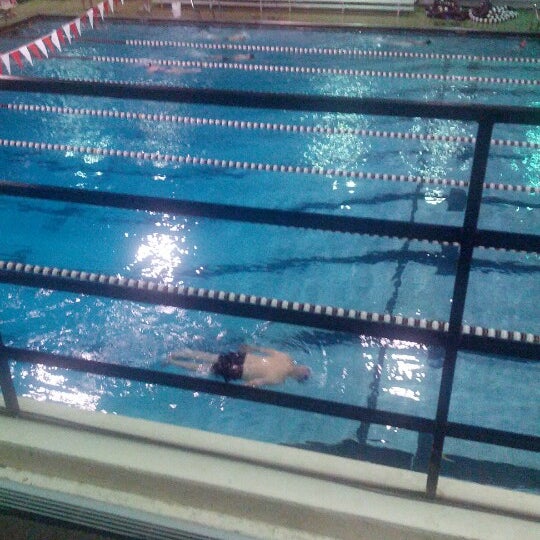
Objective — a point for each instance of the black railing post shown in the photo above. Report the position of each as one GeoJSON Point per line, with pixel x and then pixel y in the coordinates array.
{"type": "Point", "coordinates": [470, 224]}
{"type": "Point", "coordinates": [6, 383]}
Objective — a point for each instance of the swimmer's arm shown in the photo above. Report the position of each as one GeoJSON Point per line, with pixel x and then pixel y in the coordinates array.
{"type": "Point", "coordinates": [190, 366]}
{"type": "Point", "coordinates": [257, 383]}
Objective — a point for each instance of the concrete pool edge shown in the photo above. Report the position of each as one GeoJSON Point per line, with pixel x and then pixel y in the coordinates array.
{"type": "Point", "coordinates": [111, 458]}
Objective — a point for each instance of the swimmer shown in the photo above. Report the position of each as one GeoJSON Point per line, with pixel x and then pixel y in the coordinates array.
{"type": "Point", "coordinates": [237, 58]}
{"type": "Point", "coordinates": [240, 36]}
{"type": "Point", "coordinates": [198, 54]}
{"type": "Point", "coordinates": [412, 42]}
{"type": "Point", "coordinates": [155, 68]}
{"type": "Point", "coordinates": [395, 42]}
{"type": "Point", "coordinates": [242, 57]}
{"type": "Point", "coordinates": [256, 366]}
{"type": "Point", "coordinates": [205, 34]}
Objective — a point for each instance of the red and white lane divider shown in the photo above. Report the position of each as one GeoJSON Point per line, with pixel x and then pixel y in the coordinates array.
{"type": "Point", "coordinates": [53, 42]}
{"type": "Point", "coordinates": [266, 126]}
{"type": "Point", "coordinates": [242, 66]}
{"type": "Point", "coordinates": [284, 49]}
{"type": "Point", "coordinates": [282, 305]}
{"type": "Point", "coordinates": [254, 166]}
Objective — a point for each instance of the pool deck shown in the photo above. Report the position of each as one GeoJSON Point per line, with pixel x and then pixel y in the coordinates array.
{"type": "Point", "coordinates": [131, 475]}
{"type": "Point", "coordinates": [524, 24]}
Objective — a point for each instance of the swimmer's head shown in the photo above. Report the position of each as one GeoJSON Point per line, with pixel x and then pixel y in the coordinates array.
{"type": "Point", "coordinates": [301, 373]}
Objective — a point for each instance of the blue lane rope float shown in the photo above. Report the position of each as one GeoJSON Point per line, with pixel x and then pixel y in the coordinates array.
{"type": "Point", "coordinates": [250, 125]}
{"type": "Point", "coordinates": [196, 64]}
{"type": "Point", "coordinates": [242, 299]}
{"type": "Point", "coordinates": [254, 166]}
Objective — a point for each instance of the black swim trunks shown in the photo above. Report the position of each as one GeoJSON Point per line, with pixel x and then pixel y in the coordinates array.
{"type": "Point", "coordinates": [229, 365]}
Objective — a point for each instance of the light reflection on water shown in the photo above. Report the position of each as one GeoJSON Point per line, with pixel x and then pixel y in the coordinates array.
{"type": "Point", "coordinates": [158, 254]}
{"type": "Point", "coordinates": [45, 383]}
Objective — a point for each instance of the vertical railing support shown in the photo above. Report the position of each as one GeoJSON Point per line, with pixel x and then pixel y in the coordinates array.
{"type": "Point", "coordinates": [6, 383]}
{"type": "Point", "coordinates": [470, 225]}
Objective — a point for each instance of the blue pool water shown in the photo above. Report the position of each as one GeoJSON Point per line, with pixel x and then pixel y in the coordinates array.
{"type": "Point", "coordinates": [360, 272]}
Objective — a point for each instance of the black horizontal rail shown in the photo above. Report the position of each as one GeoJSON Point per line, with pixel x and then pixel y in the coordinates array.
{"type": "Point", "coordinates": [507, 240]}
{"type": "Point", "coordinates": [498, 437]}
{"type": "Point", "coordinates": [286, 218]}
{"type": "Point", "coordinates": [503, 348]}
{"type": "Point", "coordinates": [271, 397]}
{"type": "Point", "coordinates": [267, 100]}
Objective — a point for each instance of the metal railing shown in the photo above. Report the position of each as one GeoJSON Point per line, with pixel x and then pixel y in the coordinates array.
{"type": "Point", "coordinates": [452, 336]}
{"type": "Point", "coordinates": [343, 6]}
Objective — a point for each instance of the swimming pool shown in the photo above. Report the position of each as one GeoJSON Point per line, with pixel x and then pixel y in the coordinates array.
{"type": "Point", "coordinates": [229, 155]}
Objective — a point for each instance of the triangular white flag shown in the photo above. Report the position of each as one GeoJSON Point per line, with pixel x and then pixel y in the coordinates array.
{"type": "Point", "coordinates": [26, 53]}
{"type": "Point", "coordinates": [7, 63]}
{"type": "Point", "coordinates": [101, 8]}
{"type": "Point", "coordinates": [41, 46]}
{"type": "Point", "coordinates": [111, 5]}
{"type": "Point", "coordinates": [78, 25]}
{"type": "Point", "coordinates": [67, 31]}
{"type": "Point", "coordinates": [90, 14]}
{"type": "Point", "coordinates": [56, 41]}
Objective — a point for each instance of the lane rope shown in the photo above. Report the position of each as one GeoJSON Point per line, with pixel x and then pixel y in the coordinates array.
{"type": "Point", "coordinates": [241, 124]}
{"type": "Point", "coordinates": [254, 166]}
{"type": "Point", "coordinates": [285, 305]}
{"type": "Point", "coordinates": [321, 51]}
{"type": "Point", "coordinates": [196, 64]}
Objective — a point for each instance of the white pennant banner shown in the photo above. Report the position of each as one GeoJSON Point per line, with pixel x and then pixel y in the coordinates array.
{"type": "Point", "coordinates": [7, 63]}
{"type": "Point", "coordinates": [41, 46]}
{"type": "Point", "coordinates": [56, 41]}
{"type": "Point", "coordinates": [90, 14]}
{"type": "Point", "coordinates": [70, 30]}
{"type": "Point", "coordinates": [26, 53]}
{"type": "Point", "coordinates": [67, 31]}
